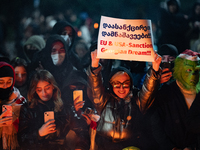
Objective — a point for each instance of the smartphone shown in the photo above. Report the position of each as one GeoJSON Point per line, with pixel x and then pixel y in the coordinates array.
{"type": "Point", "coordinates": [8, 110]}
{"type": "Point", "coordinates": [166, 65]}
{"type": "Point", "coordinates": [88, 111]}
{"type": "Point", "coordinates": [48, 115]}
{"type": "Point", "coordinates": [77, 93]}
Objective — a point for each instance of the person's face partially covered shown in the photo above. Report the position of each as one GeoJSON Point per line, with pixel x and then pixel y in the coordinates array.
{"type": "Point", "coordinates": [167, 58]}
{"type": "Point", "coordinates": [121, 85]}
{"type": "Point", "coordinates": [58, 53]}
{"type": "Point", "coordinates": [190, 73]}
{"type": "Point", "coordinates": [67, 34]}
{"type": "Point", "coordinates": [6, 82]}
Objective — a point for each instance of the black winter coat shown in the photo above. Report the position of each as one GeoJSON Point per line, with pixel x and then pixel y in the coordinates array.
{"type": "Point", "coordinates": [32, 119]}
{"type": "Point", "coordinates": [169, 119]}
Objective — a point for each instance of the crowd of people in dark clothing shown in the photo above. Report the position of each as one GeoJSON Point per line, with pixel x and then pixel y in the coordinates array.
{"type": "Point", "coordinates": [56, 94]}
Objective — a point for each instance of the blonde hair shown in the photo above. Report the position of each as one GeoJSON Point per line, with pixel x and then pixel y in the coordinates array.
{"type": "Point", "coordinates": [117, 74]}
{"type": "Point", "coordinates": [44, 75]}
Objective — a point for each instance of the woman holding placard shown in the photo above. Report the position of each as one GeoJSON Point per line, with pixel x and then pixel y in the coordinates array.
{"type": "Point", "coordinates": [121, 106]}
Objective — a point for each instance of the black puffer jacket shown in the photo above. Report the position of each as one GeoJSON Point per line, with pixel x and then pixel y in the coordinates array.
{"type": "Point", "coordinates": [32, 119]}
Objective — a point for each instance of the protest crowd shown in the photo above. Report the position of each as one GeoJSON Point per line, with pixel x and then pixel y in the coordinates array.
{"type": "Point", "coordinates": [57, 94]}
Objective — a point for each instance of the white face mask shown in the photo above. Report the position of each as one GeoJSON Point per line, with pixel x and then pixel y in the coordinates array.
{"type": "Point", "coordinates": [58, 58]}
{"type": "Point", "coordinates": [67, 39]}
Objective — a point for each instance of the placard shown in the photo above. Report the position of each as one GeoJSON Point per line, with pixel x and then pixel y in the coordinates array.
{"type": "Point", "coordinates": [125, 39]}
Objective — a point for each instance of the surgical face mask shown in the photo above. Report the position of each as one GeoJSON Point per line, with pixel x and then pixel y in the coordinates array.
{"type": "Point", "coordinates": [58, 58]}
{"type": "Point", "coordinates": [67, 39]}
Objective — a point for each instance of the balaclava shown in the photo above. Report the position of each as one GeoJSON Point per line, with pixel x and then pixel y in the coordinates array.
{"type": "Point", "coordinates": [186, 70]}
{"type": "Point", "coordinates": [35, 41]}
{"type": "Point", "coordinates": [6, 70]}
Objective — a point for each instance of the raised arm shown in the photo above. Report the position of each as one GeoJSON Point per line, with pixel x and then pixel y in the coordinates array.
{"type": "Point", "coordinates": [150, 85]}
{"type": "Point", "coordinates": [95, 81]}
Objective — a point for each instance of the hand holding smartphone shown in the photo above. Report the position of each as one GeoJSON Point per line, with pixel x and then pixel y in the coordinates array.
{"type": "Point", "coordinates": [88, 111]}
{"type": "Point", "coordinates": [6, 115]}
{"type": "Point", "coordinates": [8, 111]}
{"type": "Point", "coordinates": [48, 115]}
{"type": "Point", "coordinates": [76, 94]}
{"type": "Point", "coordinates": [49, 125]}
{"type": "Point", "coordinates": [166, 65]}
{"type": "Point", "coordinates": [78, 99]}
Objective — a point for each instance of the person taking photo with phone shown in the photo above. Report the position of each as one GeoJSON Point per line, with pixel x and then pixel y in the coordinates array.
{"type": "Point", "coordinates": [168, 52]}
{"type": "Point", "coordinates": [44, 122]}
{"type": "Point", "coordinates": [10, 102]}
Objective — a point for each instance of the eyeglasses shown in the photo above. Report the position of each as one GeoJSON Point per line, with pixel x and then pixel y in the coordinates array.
{"type": "Point", "coordinates": [125, 84]}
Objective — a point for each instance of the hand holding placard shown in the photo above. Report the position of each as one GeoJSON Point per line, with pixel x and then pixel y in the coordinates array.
{"type": "Point", "coordinates": [95, 60]}
{"type": "Point", "coordinates": [125, 39]}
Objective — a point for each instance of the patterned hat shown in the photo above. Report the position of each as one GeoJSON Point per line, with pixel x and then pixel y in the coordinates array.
{"type": "Point", "coordinates": [190, 55]}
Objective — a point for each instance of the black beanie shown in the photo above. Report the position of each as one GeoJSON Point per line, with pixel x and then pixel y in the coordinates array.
{"type": "Point", "coordinates": [168, 49]}
{"type": "Point", "coordinates": [6, 71]}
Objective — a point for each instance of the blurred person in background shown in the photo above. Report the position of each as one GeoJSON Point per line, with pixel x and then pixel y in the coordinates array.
{"type": "Point", "coordinates": [173, 26]}
{"type": "Point", "coordinates": [32, 45]}
{"type": "Point", "coordinates": [194, 24]}
{"type": "Point", "coordinates": [86, 28]}
{"type": "Point", "coordinates": [65, 30]}
{"type": "Point", "coordinates": [68, 33]}
{"type": "Point", "coordinates": [82, 51]}
{"type": "Point", "coordinates": [3, 33]}
{"type": "Point", "coordinates": [21, 73]}
{"type": "Point", "coordinates": [54, 58]}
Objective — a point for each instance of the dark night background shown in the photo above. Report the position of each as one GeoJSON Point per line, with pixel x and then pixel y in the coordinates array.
{"type": "Point", "coordinates": [12, 11]}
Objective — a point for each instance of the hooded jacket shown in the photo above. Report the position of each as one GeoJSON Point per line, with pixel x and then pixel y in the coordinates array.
{"type": "Point", "coordinates": [44, 59]}
{"type": "Point", "coordinates": [73, 57]}
{"type": "Point", "coordinates": [58, 28]}
{"type": "Point", "coordinates": [119, 116]}
{"type": "Point", "coordinates": [173, 27]}
{"type": "Point", "coordinates": [36, 41]}
{"type": "Point", "coordinates": [169, 124]}
{"type": "Point", "coordinates": [75, 77]}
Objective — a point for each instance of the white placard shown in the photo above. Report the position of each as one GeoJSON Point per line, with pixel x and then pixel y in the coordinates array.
{"type": "Point", "coordinates": [125, 39]}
